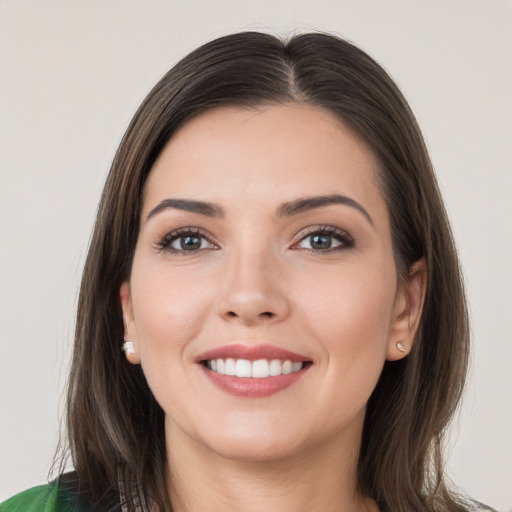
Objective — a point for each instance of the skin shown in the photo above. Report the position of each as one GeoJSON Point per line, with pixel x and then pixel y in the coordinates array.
{"type": "Point", "coordinates": [257, 279]}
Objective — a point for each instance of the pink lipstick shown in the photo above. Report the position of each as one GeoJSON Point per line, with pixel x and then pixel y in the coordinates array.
{"type": "Point", "coordinates": [253, 371]}
{"type": "Point", "coordinates": [251, 352]}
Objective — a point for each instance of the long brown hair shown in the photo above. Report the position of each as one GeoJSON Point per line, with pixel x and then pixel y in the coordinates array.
{"type": "Point", "coordinates": [115, 426]}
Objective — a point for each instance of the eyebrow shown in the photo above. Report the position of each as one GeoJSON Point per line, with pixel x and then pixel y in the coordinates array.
{"type": "Point", "coordinates": [201, 207]}
{"type": "Point", "coordinates": [289, 209]}
{"type": "Point", "coordinates": [310, 203]}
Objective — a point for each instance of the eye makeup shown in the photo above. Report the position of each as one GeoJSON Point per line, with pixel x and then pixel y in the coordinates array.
{"type": "Point", "coordinates": [315, 239]}
{"type": "Point", "coordinates": [185, 241]}
{"type": "Point", "coordinates": [324, 239]}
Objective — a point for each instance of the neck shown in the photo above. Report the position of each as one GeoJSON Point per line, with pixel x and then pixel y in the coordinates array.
{"type": "Point", "coordinates": [322, 479]}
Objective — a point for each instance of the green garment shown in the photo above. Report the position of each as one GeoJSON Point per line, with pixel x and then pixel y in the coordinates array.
{"type": "Point", "coordinates": [57, 496]}
{"type": "Point", "coordinates": [44, 498]}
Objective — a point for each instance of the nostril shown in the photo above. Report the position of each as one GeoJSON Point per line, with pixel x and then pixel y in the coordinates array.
{"type": "Point", "coordinates": [232, 314]}
{"type": "Point", "coordinates": [267, 314]}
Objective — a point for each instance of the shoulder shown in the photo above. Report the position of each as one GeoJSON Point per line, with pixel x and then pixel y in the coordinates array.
{"type": "Point", "coordinates": [42, 498]}
{"type": "Point", "coordinates": [61, 495]}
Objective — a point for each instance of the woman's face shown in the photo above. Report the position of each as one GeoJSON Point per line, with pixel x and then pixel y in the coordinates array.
{"type": "Point", "coordinates": [265, 251]}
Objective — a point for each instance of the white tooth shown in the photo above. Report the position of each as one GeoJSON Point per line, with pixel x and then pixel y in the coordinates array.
{"type": "Point", "coordinates": [296, 367]}
{"type": "Point", "coordinates": [275, 367]}
{"type": "Point", "coordinates": [260, 369]}
{"type": "Point", "coordinates": [220, 366]}
{"type": "Point", "coordinates": [243, 368]}
{"type": "Point", "coordinates": [287, 367]}
{"type": "Point", "coordinates": [212, 363]}
{"type": "Point", "coordinates": [229, 367]}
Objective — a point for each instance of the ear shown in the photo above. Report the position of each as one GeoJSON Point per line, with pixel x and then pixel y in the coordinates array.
{"type": "Point", "coordinates": [407, 311]}
{"type": "Point", "coordinates": [130, 330]}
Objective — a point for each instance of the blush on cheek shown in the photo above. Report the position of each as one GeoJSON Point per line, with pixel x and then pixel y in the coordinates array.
{"type": "Point", "coordinates": [167, 330]}
{"type": "Point", "coordinates": [354, 331]}
{"type": "Point", "coordinates": [169, 306]}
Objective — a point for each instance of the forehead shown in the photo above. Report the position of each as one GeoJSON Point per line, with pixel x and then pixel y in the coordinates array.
{"type": "Point", "coordinates": [271, 154]}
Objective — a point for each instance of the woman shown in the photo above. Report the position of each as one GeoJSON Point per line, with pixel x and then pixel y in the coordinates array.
{"type": "Point", "coordinates": [272, 252]}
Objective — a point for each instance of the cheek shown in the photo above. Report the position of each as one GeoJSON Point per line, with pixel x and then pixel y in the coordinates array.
{"type": "Point", "coordinates": [170, 310]}
{"type": "Point", "coordinates": [350, 313]}
{"type": "Point", "coordinates": [350, 320]}
{"type": "Point", "coordinates": [351, 305]}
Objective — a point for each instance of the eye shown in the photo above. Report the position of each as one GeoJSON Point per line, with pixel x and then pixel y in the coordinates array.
{"type": "Point", "coordinates": [185, 241]}
{"type": "Point", "coordinates": [189, 243]}
{"type": "Point", "coordinates": [325, 239]}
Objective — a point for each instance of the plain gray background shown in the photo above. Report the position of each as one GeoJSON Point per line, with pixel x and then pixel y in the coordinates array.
{"type": "Point", "coordinates": [72, 75]}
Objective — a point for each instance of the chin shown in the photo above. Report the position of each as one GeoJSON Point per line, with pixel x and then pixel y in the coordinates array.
{"type": "Point", "coordinates": [267, 439]}
{"type": "Point", "coordinates": [255, 448]}
{"type": "Point", "coordinates": [258, 437]}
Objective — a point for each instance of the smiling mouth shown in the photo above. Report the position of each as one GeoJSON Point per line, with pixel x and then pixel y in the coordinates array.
{"type": "Point", "coordinates": [258, 369]}
{"type": "Point", "coordinates": [253, 370]}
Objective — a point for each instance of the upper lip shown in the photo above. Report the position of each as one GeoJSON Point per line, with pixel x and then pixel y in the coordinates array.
{"type": "Point", "coordinates": [251, 353]}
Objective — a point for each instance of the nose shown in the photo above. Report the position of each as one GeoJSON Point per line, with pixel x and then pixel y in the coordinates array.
{"type": "Point", "coordinates": [253, 290]}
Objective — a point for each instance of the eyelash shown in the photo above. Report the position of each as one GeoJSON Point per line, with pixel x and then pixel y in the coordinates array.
{"type": "Point", "coordinates": [164, 244]}
{"type": "Point", "coordinates": [345, 240]}
{"type": "Point", "coordinates": [341, 236]}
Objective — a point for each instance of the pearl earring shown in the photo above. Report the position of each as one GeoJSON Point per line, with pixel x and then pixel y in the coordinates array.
{"type": "Point", "coordinates": [400, 346]}
{"type": "Point", "coordinates": [128, 348]}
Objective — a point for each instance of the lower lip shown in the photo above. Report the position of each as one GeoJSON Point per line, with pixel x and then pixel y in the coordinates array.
{"type": "Point", "coordinates": [253, 388]}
